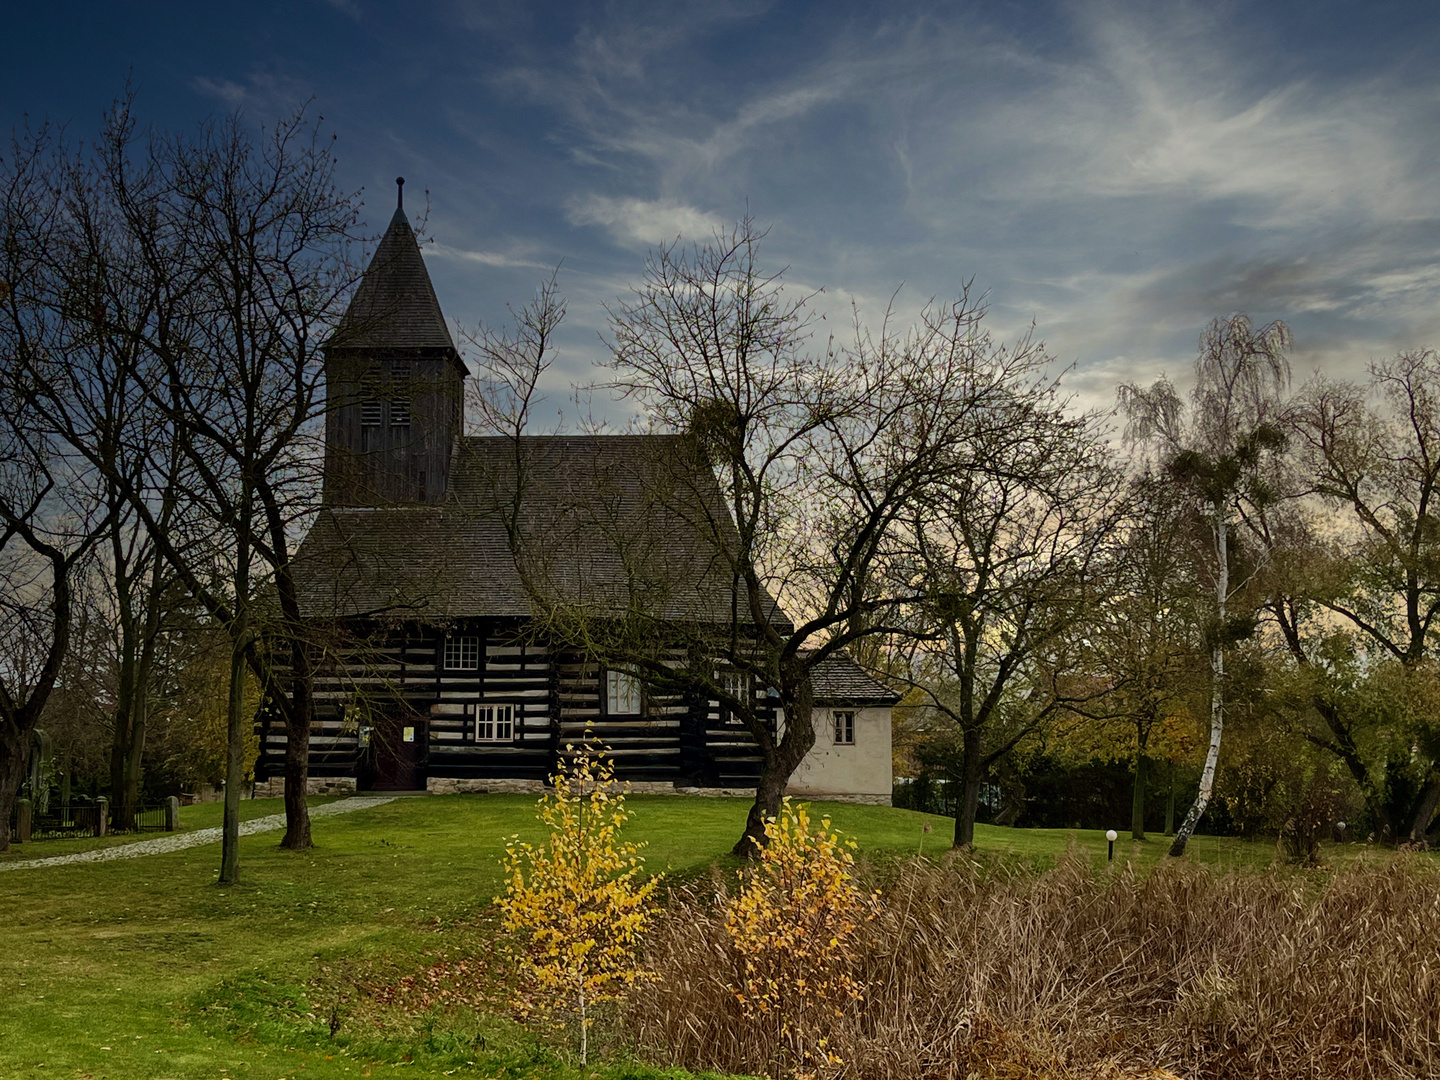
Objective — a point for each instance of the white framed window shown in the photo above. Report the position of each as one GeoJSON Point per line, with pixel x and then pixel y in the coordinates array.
{"type": "Point", "coordinates": [737, 685]}
{"type": "Point", "coordinates": [494, 723]}
{"type": "Point", "coordinates": [462, 653]}
{"type": "Point", "coordinates": [622, 693]}
{"type": "Point", "coordinates": [844, 727]}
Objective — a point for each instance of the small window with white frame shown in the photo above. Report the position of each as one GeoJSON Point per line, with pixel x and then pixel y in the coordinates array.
{"type": "Point", "coordinates": [622, 693]}
{"type": "Point", "coordinates": [844, 727]}
{"type": "Point", "coordinates": [462, 654]}
{"type": "Point", "coordinates": [493, 723]}
{"type": "Point", "coordinates": [737, 685]}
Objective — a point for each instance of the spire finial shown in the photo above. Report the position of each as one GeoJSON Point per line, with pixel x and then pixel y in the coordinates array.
{"type": "Point", "coordinates": [399, 193]}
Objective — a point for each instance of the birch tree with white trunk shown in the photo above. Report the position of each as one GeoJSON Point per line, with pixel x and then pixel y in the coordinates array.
{"type": "Point", "coordinates": [1218, 452]}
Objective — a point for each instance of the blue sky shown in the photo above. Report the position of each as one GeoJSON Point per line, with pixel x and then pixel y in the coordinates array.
{"type": "Point", "coordinates": [1119, 173]}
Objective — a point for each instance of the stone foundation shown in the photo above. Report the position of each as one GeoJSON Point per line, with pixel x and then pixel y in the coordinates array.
{"type": "Point", "coordinates": [710, 792]}
{"type": "Point", "coordinates": [837, 796]}
{"type": "Point", "coordinates": [444, 785]}
{"type": "Point", "coordinates": [274, 788]}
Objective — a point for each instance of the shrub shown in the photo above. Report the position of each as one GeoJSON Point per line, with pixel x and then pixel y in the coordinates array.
{"type": "Point", "coordinates": [792, 926]}
{"type": "Point", "coordinates": [577, 903]}
{"type": "Point", "coordinates": [1079, 974]}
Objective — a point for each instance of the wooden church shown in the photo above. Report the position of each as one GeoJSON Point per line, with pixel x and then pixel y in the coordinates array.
{"type": "Point", "coordinates": [421, 569]}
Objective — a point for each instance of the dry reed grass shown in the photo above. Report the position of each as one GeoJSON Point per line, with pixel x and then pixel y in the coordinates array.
{"type": "Point", "coordinates": [976, 972]}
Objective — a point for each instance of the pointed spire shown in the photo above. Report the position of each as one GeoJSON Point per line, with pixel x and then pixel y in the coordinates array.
{"type": "Point", "coordinates": [395, 306]}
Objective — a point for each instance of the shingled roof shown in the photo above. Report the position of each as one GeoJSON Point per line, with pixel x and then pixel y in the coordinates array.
{"type": "Point", "coordinates": [839, 680]}
{"type": "Point", "coordinates": [395, 306]}
{"type": "Point", "coordinates": [608, 523]}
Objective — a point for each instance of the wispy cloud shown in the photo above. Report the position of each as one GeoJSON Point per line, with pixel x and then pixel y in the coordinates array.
{"type": "Point", "coordinates": [346, 7]}
{"type": "Point", "coordinates": [483, 258]}
{"type": "Point", "coordinates": [1116, 173]}
{"type": "Point", "coordinates": [266, 94]}
{"type": "Point", "coordinates": [232, 93]}
{"type": "Point", "coordinates": [642, 222]}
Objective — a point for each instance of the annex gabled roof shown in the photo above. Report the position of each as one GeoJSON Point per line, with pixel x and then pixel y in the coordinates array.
{"type": "Point", "coordinates": [839, 680]}
{"type": "Point", "coordinates": [610, 524]}
{"type": "Point", "coordinates": [395, 306]}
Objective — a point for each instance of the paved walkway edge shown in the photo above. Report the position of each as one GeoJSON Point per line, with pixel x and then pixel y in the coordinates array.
{"type": "Point", "coordinates": [180, 841]}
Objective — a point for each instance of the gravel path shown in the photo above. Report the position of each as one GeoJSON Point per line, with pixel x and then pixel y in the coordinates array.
{"type": "Point", "coordinates": [178, 841]}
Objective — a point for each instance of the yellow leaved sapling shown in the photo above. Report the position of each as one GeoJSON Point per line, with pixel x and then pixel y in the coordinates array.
{"type": "Point", "coordinates": [578, 903]}
{"type": "Point", "coordinates": [793, 926]}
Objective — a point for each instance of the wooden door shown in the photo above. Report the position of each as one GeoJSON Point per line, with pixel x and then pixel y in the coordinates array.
{"type": "Point", "coordinates": [399, 745]}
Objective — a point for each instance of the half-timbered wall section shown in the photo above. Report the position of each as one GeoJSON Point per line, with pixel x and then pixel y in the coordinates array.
{"type": "Point", "coordinates": [497, 719]}
{"type": "Point", "coordinates": [496, 706]}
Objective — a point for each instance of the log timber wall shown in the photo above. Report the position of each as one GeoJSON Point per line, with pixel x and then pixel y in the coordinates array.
{"type": "Point", "coordinates": [556, 693]}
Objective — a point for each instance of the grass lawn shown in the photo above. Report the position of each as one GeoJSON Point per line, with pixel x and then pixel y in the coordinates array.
{"type": "Point", "coordinates": [143, 968]}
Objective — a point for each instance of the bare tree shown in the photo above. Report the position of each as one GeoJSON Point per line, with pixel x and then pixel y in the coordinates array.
{"type": "Point", "coordinates": [1008, 556]}
{"type": "Point", "coordinates": [1370, 457]}
{"type": "Point", "coordinates": [209, 269]}
{"type": "Point", "coordinates": [800, 467]}
{"type": "Point", "coordinates": [1220, 458]}
{"type": "Point", "coordinates": [1144, 637]}
{"type": "Point", "coordinates": [263, 233]}
{"type": "Point", "coordinates": [51, 514]}
{"type": "Point", "coordinates": [90, 398]}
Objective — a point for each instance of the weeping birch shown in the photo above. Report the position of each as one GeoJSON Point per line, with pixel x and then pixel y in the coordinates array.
{"type": "Point", "coordinates": [1217, 454]}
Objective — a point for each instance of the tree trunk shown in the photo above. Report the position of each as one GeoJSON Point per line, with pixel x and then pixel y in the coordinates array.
{"type": "Point", "coordinates": [777, 767]}
{"type": "Point", "coordinates": [1217, 689]}
{"type": "Point", "coordinates": [969, 801]}
{"type": "Point", "coordinates": [1170, 804]}
{"type": "Point", "coordinates": [768, 794]}
{"type": "Point", "coordinates": [138, 712]}
{"type": "Point", "coordinates": [127, 750]}
{"type": "Point", "coordinates": [1342, 743]}
{"type": "Point", "coordinates": [297, 752]}
{"type": "Point", "coordinates": [14, 758]}
{"type": "Point", "coordinates": [1425, 813]}
{"type": "Point", "coordinates": [122, 806]}
{"type": "Point", "coordinates": [301, 710]}
{"type": "Point", "coordinates": [234, 757]}
{"type": "Point", "coordinates": [122, 810]}
{"type": "Point", "coordinates": [1137, 799]}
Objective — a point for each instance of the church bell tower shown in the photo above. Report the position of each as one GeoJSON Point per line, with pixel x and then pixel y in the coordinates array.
{"type": "Point", "coordinates": [394, 383]}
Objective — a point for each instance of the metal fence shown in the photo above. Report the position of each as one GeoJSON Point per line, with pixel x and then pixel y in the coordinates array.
{"type": "Point", "coordinates": [65, 823]}
{"type": "Point", "coordinates": [150, 819]}
{"type": "Point", "coordinates": [82, 819]}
